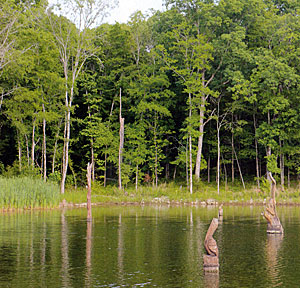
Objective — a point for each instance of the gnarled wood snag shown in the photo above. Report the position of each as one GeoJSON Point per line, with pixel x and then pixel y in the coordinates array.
{"type": "Point", "coordinates": [211, 259]}
{"type": "Point", "coordinates": [270, 214]}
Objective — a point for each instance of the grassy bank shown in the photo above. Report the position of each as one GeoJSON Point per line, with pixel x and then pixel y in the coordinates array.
{"type": "Point", "coordinates": [28, 192]}
{"type": "Point", "coordinates": [172, 192]}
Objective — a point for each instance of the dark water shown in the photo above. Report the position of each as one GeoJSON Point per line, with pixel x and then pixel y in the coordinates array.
{"type": "Point", "coordinates": [146, 247]}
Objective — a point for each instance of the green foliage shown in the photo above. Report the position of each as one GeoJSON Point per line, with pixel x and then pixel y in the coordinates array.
{"type": "Point", "coordinates": [176, 69]}
{"type": "Point", "coordinates": [272, 164]}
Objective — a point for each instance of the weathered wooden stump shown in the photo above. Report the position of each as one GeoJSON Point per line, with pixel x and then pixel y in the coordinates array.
{"type": "Point", "coordinates": [270, 214]}
{"type": "Point", "coordinates": [211, 259]}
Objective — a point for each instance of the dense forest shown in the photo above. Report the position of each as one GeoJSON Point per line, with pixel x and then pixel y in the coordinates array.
{"type": "Point", "coordinates": [205, 90]}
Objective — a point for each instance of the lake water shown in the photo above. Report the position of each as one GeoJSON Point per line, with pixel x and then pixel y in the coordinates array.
{"type": "Point", "coordinates": [147, 247]}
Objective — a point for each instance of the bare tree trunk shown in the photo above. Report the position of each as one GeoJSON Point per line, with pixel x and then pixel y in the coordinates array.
{"type": "Point", "coordinates": [44, 148]}
{"type": "Point", "coordinates": [190, 147]}
{"type": "Point", "coordinates": [187, 165]}
{"type": "Point", "coordinates": [136, 177]}
{"type": "Point", "coordinates": [121, 142]}
{"type": "Point", "coordinates": [288, 174]}
{"type": "Point", "coordinates": [208, 170]}
{"type": "Point", "coordinates": [281, 160]}
{"type": "Point", "coordinates": [55, 146]}
{"type": "Point", "coordinates": [200, 139]}
{"type": "Point", "coordinates": [121, 151]}
{"type": "Point", "coordinates": [27, 149]}
{"type": "Point", "coordinates": [105, 154]}
{"type": "Point", "coordinates": [65, 157]}
{"type": "Point", "coordinates": [174, 174]}
{"type": "Point", "coordinates": [1, 99]}
{"type": "Point", "coordinates": [92, 149]}
{"type": "Point", "coordinates": [19, 152]}
{"type": "Point", "coordinates": [167, 171]}
{"type": "Point", "coordinates": [232, 158]}
{"type": "Point", "coordinates": [105, 167]}
{"type": "Point", "coordinates": [218, 160]}
{"type": "Point", "coordinates": [269, 152]}
{"type": "Point", "coordinates": [156, 152]}
{"type": "Point", "coordinates": [239, 167]}
{"type": "Point", "coordinates": [93, 159]}
{"type": "Point", "coordinates": [33, 144]}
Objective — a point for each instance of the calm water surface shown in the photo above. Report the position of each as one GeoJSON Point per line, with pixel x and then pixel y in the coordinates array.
{"type": "Point", "coordinates": [146, 247]}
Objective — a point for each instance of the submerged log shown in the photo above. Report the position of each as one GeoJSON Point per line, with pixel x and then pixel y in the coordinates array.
{"type": "Point", "coordinates": [270, 214]}
{"type": "Point", "coordinates": [211, 259]}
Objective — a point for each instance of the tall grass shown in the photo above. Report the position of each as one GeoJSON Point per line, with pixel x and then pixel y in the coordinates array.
{"type": "Point", "coordinates": [27, 192]}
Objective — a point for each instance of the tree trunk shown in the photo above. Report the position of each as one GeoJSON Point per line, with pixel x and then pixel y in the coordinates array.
{"type": "Point", "coordinates": [218, 161]}
{"type": "Point", "coordinates": [269, 152]}
{"type": "Point", "coordinates": [93, 159]}
{"type": "Point", "coordinates": [208, 169]}
{"type": "Point", "coordinates": [136, 177]}
{"type": "Point", "coordinates": [65, 157]}
{"type": "Point", "coordinates": [55, 146]}
{"type": "Point", "coordinates": [156, 150]}
{"type": "Point", "coordinates": [33, 143]}
{"type": "Point", "coordinates": [92, 148]}
{"type": "Point", "coordinates": [1, 99]}
{"type": "Point", "coordinates": [200, 139]}
{"type": "Point", "coordinates": [232, 158]}
{"type": "Point", "coordinates": [190, 147]}
{"type": "Point", "coordinates": [187, 165]}
{"type": "Point", "coordinates": [288, 174]}
{"type": "Point", "coordinates": [27, 149]}
{"type": "Point", "coordinates": [174, 174]}
{"type": "Point", "coordinates": [105, 167]}
{"type": "Point", "coordinates": [281, 160]}
{"type": "Point", "coordinates": [167, 171]}
{"type": "Point", "coordinates": [44, 148]}
{"type": "Point", "coordinates": [121, 142]}
{"type": "Point", "coordinates": [19, 152]}
{"type": "Point", "coordinates": [239, 167]}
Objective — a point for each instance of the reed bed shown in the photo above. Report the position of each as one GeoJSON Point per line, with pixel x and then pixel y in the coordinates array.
{"type": "Point", "coordinates": [28, 193]}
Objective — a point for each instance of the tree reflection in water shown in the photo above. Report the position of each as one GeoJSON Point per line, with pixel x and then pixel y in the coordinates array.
{"type": "Point", "coordinates": [273, 245]}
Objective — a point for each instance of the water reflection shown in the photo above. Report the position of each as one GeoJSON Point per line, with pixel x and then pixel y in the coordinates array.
{"type": "Point", "coordinates": [146, 246]}
{"type": "Point", "coordinates": [211, 280]}
{"type": "Point", "coordinates": [88, 257]}
{"type": "Point", "coordinates": [64, 251]}
{"type": "Point", "coordinates": [273, 245]}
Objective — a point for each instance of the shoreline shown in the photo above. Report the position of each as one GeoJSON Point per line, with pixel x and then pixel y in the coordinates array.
{"type": "Point", "coordinates": [211, 203]}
